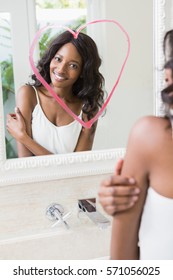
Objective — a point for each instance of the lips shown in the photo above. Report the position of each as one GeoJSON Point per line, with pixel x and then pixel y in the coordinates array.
{"type": "Point", "coordinates": [59, 77]}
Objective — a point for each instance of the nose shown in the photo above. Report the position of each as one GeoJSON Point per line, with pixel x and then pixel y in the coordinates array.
{"type": "Point", "coordinates": [61, 68]}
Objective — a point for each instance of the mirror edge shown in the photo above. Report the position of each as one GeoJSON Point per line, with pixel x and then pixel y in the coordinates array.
{"type": "Point", "coordinates": [159, 26]}
{"type": "Point", "coordinates": [45, 168]}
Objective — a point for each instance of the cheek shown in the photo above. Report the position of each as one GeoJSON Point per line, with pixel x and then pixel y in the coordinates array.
{"type": "Point", "coordinates": [75, 75]}
{"type": "Point", "coordinates": [51, 65]}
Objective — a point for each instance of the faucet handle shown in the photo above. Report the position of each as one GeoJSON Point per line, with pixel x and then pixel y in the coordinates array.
{"type": "Point", "coordinates": [56, 212]}
{"type": "Point", "coordinates": [88, 206]}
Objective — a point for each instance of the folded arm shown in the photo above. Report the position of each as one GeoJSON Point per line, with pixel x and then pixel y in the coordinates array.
{"type": "Point", "coordinates": [19, 125]}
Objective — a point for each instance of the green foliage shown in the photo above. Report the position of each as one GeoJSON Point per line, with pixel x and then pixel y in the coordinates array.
{"type": "Point", "coordinates": [77, 23]}
{"type": "Point", "coordinates": [47, 37]}
{"type": "Point", "coordinates": [10, 152]}
{"type": "Point", "coordinates": [61, 4]}
{"type": "Point", "coordinates": [44, 41]}
{"type": "Point", "coordinates": [7, 78]}
{"type": "Point", "coordinates": [7, 88]}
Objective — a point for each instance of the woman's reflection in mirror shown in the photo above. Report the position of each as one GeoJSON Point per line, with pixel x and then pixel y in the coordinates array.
{"type": "Point", "coordinates": [40, 125]}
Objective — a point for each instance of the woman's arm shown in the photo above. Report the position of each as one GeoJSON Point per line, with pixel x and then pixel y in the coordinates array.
{"type": "Point", "coordinates": [113, 196]}
{"type": "Point", "coordinates": [125, 227]}
{"type": "Point", "coordinates": [20, 125]}
{"type": "Point", "coordinates": [86, 137]}
{"type": "Point", "coordinates": [26, 145]}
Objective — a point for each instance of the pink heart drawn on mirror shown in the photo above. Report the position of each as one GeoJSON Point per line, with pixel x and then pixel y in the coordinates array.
{"type": "Point", "coordinates": [75, 34]}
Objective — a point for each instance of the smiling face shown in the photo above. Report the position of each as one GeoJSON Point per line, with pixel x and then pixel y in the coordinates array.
{"type": "Point", "coordinates": [65, 67]}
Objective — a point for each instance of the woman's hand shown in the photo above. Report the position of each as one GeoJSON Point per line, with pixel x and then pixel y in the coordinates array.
{"type": "Point", "coordinates": [118, 193]}
{"type": "Point", "coordinates": [16, 125]}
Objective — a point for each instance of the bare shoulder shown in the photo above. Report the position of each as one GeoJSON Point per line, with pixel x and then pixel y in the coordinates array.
{"type": "Point", "coordinates": [147, 123]}
{"type": "Point", "coordinates": [26, 94]}
{"type": "Point", "coordinates": [149, 129]}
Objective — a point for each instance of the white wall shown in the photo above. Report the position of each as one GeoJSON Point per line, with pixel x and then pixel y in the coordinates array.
{"type": "Point", "coordinates": [134, 95]}
{"type": "Point", "coordinates": [169, 12]}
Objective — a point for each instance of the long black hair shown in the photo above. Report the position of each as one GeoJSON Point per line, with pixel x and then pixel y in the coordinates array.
{"type": "Point", "coordinates": [168, 45]}
{"type": "Point", "coordinates": [167, 95]}
{"type": "Point", "coordinates": [89, 86]}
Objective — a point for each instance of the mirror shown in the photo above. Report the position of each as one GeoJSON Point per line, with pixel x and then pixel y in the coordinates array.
{"type": "Point", "coordinates": [133, 97]}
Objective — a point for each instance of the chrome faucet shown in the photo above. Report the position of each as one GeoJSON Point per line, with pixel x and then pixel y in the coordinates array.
{"type": "Point", "coordinates": [88, 206]}
{"type": "Point", "coordinates": [56, 213]}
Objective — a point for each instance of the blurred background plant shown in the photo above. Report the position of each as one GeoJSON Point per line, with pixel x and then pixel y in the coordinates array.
{"type": "Point", "coordinates": [7, 78]}
{"type": "Point", "coordinates": [6, 60]}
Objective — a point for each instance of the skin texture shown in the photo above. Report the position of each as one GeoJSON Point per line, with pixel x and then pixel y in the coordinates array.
{"type": "Point", "coordinates": [65, 69]}
{"type": "Point", "coordinates": [168, 76]}
{"type": "Point", "coordinates": [149, 160]}
{"type": "Point", "coordinates": [118, 193]}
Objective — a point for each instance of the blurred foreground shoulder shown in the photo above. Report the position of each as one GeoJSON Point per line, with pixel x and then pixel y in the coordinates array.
{"type": "Point", "coordinates": [146, 124]}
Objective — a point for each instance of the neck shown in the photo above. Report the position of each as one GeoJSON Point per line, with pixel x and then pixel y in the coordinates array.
{"type": "Point", "coordinates": [64, 93]}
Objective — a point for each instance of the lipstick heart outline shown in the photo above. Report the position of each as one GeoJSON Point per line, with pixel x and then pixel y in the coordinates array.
{"type": "Point", "coordinates": [75, 34]}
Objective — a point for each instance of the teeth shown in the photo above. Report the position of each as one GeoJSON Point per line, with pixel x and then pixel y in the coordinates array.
{"type": "Point", "coordinates": [58, 77]}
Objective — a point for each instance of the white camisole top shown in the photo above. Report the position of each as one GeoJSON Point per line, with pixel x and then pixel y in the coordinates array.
{"type": "Point", "coordinates": [156, 229]}
{"type": "Point", "coordinates": [56, 139]}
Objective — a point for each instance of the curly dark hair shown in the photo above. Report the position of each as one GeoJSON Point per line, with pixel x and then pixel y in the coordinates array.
{"type": "Point", "coordinates": [168, 44]}
{"type": "Point", "coordinates": [167, 95]}
{"type": "Point", "coordinates": [89, 86]}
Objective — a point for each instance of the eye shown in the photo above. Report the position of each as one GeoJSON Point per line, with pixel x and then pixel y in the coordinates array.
{"type": "Point", "coordinates": [57, 58]}
{"type": "Point", "coordinates": [73, 66]}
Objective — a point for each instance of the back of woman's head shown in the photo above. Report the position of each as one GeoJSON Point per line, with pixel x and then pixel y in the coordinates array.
{"type": "Point", "coordinates": [168, 45]}
{"type": "Point", "coordinates": [167, 95]}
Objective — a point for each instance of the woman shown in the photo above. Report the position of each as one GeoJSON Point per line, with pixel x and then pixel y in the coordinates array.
{"type": "Point", "coordinates": [119, 193]}
{"type": "Point", "coordinates": [41, 126]}
{"type": "Point", "coordinates": [146, 230]}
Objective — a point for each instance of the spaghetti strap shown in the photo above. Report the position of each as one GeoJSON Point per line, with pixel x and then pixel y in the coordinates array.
{"type": "Point", "coordinates": [36, 93]}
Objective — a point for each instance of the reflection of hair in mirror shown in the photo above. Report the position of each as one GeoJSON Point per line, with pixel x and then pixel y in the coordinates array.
{"type": "Point", "coordinates": [71, 67]}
